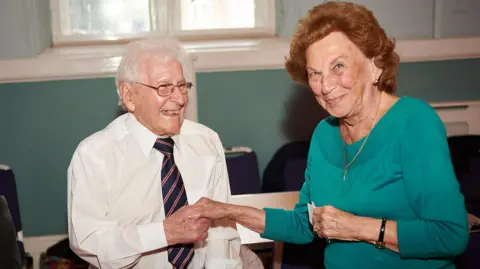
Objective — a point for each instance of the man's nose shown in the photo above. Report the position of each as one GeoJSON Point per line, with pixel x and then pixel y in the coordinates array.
{"type": "Point", "coordinates": [178, 96]}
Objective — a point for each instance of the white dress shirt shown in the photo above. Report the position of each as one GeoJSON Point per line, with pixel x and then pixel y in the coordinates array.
{"type": "Point", "coordinates": [115, 208]}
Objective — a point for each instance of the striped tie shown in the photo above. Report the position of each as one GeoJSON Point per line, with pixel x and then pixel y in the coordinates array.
{"type": "Point", "coordinates": [174, 197]}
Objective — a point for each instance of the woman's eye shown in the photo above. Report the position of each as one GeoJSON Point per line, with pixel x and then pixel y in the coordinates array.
{"type": "Point", "coordinates": [314, 73]}
{"type": "Point", "coordinates": [339, 65]}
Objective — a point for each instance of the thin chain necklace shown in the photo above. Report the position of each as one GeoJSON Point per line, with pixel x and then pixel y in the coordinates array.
{"type": "Point", "coordinates": [346, 166]}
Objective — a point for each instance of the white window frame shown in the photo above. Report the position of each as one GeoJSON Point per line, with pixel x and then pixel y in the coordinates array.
{"type": "Point", "coordinates": [162, 24]}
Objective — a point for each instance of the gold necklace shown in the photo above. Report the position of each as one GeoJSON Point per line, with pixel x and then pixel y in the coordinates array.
{"type": "Point", "coordinates": [345, 165]}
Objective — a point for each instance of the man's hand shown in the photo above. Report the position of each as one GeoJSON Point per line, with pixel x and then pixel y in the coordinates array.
{"type": "Point", "coordinates": [186, 226]}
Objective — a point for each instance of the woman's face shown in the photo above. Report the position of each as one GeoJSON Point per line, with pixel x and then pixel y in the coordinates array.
{"type": "Point", "coordinates": [340, 75]}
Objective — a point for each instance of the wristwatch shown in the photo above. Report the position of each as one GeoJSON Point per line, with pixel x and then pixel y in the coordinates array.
{"type": "Point", "coordinates": [379, 244]}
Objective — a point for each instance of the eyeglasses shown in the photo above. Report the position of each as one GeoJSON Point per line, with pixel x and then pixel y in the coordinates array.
{"type": "Point", "coordinates": [167, 89]}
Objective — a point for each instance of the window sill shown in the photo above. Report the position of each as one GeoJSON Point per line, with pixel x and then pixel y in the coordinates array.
{"type": "Point", "coordinates": [249, 54]}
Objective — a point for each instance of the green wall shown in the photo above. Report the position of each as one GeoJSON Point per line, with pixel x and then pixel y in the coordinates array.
{"type": "Point", "coordinates": [42, 122]}
{"type": "Point", "coordinates": [264, 109]}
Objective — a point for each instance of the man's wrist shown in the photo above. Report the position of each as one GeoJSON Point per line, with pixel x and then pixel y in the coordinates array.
{"type": "Point", "coordinates": [169, 236]}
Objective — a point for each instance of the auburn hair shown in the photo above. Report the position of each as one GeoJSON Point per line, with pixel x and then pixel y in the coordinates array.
{"type": "Point", "coordinates": [359, 25]}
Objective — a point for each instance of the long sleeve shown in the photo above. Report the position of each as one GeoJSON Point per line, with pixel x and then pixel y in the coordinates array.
{"type": "Point", "coordinates": [441, 229]}
{"type": "Point", "coordinates": [223, 241]}
{"type": "Point", "coordinates": [93, 235]}
{"type": "Point", "coordinates": [291, 226]}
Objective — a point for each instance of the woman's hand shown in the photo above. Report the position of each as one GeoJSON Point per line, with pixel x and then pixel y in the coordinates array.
{"type": "Point", "coordinates": [332, 223]}
{"type": "Point", "coordinates": [249, 217]}
{"type": "Point", "coordinates": [211, 209]}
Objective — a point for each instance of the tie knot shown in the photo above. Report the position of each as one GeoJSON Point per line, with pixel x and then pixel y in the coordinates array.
{"type": "Point", "coordinates": [164, 145]}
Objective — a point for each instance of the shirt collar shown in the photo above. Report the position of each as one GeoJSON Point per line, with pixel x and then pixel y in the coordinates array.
{"type": "Point", "coordinates": [144, 138]}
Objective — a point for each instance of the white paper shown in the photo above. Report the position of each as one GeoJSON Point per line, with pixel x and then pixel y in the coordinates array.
{"type": "Point", "coordinates": [310, 211]}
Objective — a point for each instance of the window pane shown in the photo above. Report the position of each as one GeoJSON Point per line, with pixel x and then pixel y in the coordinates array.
{"type": "Point", "coordinates": [217, 14]}
{"type": "Point", "coordinates": [106, 17]}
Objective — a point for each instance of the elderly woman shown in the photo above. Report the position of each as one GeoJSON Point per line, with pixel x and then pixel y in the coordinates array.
{"type": "Point", "coordinates": [379, 171]}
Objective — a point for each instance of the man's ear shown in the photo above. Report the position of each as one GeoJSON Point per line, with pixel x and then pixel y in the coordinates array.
{"type": "Point", "coordinates": [126, 96]}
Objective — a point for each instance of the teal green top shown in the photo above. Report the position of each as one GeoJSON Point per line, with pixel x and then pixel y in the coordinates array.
{"type": "Point", "coordinates": [404, 173]}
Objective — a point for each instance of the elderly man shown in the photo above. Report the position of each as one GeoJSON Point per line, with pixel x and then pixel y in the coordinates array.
{"type": "Point", "coordinates": [132, 186]}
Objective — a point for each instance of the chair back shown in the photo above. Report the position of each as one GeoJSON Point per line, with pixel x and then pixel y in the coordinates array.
{"type": "Point", "coordinates": [8, 188]}
{"type": "Point", "coordinates": [9, 254]}
{"type": "Point", "coordinates": [294, 174]}
{"type": "Point", "coordinates": [287, 160]}
{"type": "Point", "coordinates": [243, 171]}
{"type": "Point", "coordinates": [465, 155]}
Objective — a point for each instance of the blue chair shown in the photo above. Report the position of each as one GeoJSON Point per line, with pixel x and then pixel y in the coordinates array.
{"type": "Point", "coordinates": [242, 165]}
{"type": "Point", "coordinates": [8, 188]}
{"type": "Point", "coordinates": [9, 254]}
{"type": "Point", "coordinates": [285, 172]}
{"type": "Point", "coordinates": [294, 174]}
{"type": "Point", "coordinates": [465, 155]}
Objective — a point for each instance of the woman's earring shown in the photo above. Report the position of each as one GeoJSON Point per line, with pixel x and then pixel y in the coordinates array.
{"type": "Point", "coordinates": [375, 83]}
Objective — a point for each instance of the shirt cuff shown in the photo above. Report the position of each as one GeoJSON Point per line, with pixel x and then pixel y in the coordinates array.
{"type": "Point", "coordinates": [152, 236]}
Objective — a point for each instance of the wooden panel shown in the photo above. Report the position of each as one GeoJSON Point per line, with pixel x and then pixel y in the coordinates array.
{"type": "Point", "coordinates": [285, 200]}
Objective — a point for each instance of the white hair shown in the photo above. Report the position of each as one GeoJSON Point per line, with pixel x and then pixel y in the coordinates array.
{"type": "Point", "coordinates": [162, 50]}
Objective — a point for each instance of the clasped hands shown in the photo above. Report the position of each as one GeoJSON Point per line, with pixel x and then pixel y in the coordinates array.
{"type": "Point", "coordinates": [190, 223]}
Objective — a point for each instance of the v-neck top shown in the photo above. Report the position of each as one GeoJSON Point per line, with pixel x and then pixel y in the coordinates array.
{"type": "Point", "coordinates": [334, 151]}
{"type": "Point", "coordinates": [403, 173]}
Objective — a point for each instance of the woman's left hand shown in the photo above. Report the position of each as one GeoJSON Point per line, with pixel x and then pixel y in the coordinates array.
{"type": "Point", "coordinates": [332, 223]}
